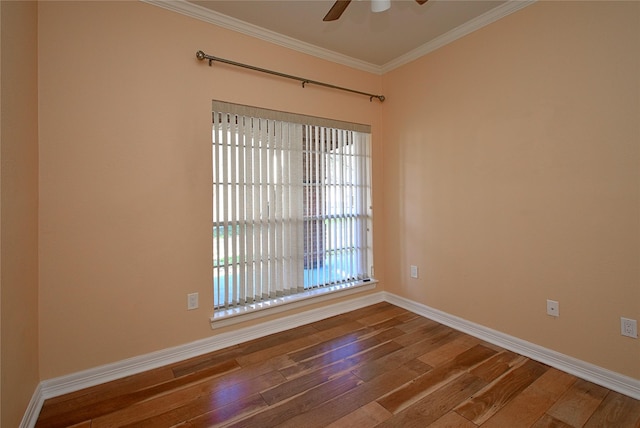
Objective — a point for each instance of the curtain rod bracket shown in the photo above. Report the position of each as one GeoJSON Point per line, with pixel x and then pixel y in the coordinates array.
{"type": "Point", "coordinates": [202, 56]}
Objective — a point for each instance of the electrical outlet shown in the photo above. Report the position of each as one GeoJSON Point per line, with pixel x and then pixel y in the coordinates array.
{"type": "Point", "coordinates": [192, 301]}
{"type": "Point", "coordinates": [553, 308]}
{"type": "Point", "coordinates": [414, 271]}
{"type": "Point", "coordinates": [629, 327]}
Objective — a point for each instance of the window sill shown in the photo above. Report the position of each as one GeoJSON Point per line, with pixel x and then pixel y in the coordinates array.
{"type": "Point", "coordinates": [222, 318]}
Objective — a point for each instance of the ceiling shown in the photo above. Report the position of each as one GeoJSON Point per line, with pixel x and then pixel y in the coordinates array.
{"type": "Point", "coordinates": [375, 42]}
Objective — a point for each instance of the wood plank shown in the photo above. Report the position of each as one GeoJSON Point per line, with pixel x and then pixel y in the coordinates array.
{"type": "Point", "coordinates": [208, 407]}
{"type": "Point", "coordinates": [435, 405]}
{"type": "Point", "coordinates": [274, 350]}
{"type": "Point", "coordinates": [342, 329]}
{"type": "Point", "coordinates": [454, 420]}
{"type": "Point", "coordinates": [301, 384]}
{"type": "Point", "coordinates": [617, 410]}
{"type": "Point", "coordinates": [196, 399]}
{"type": "Point", "coordinates": [389, 334]}
{"type": "Point", "coordinates": [252, 371]}
{"type": "Point", "coordinates": [417, 323]}
{"type": "Point", "coordinates": [113, 404]}
{"type": "Point", "coordinates": [333, 348]}
{"type": "Point", "coordinates": [277, 339]}
{"type": "Point", "coordinates": [497, 394]}
{"type": "Point", "coordinates": [90, 396]}
{"type": "Point", "coordinates": [323, 373]}
{"type": "Point", "coordinates": [578, 403]}
{"type": "Point", "coordinates": [367, 416]}
{"type": "Point", "coordinates": [335, 321]}
{"type": "Point", "coordinates": [445, 353]}
{"type": "Point", "coordinates": [204, 362]}
{"type": "Point", "coordinates": [304, 402]}
{"type": "Point", "coordinates": [498, 365]}
{"type": "Point", "coordinates": [86, 424]}
{"type": "Point", "coordinates": [418, 366]}
{"type": "Point", "coordinates": [529, 406]}
{"type": "Point", "coordinates": [368, 349]}
{"type": "Point", "coordinates": [554, 383]}
{"type": "Point", "coordinates": [248, 405]}
{"type": "Point", "coordinates": [425, 332]}
{"type": "Point", "coordinates": [547, 421]}
{"type": "Point", "coordinates": [407, 316]}
{"type": "Point", "coordinates": [432, 380]}
{"type": "Point", "coordinates": [359, 396]}
{"type": "Point", "coordinates": [367, 311]}
{"type": "Point", "coordinates": [354, 331]}
{"type": "Point", "coordinates": [382, 316]}
{"type": "Point", "coordinates": [433, 339]}
{"type": "Point", "coordinates": [381, 331]}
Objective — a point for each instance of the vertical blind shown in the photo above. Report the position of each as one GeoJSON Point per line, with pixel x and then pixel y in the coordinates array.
{"type": "Point", "coordinates": [291, 204]}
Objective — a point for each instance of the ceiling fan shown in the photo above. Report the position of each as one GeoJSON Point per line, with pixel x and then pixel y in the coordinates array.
{"type": "Point", "coordinates": [376, 6]}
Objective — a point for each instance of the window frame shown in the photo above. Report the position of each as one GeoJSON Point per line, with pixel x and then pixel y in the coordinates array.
{"type": "Point", "coordinates": [225, 316]}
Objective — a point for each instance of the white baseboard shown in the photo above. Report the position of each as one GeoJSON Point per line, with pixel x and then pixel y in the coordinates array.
{"type": "Point", "coordinates": [106, 373]}
{"type": "Point", "coordinates": [598, 375]}
{"type": "Point", "coordinates": [87, 378]}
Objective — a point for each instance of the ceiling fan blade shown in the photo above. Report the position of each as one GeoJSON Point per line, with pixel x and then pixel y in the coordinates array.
{"type": "Point", "coordinates": [421, 1]}
{"type": "Point", "coordinates": [336, 10]}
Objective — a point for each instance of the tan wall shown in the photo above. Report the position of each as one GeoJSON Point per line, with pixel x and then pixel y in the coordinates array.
{"type": "Point", "coordinates": [125, 168]}
{"type": "Point", "coordinates": [513, 176]}
{"type": "Point", "coordinates": [19, 209]}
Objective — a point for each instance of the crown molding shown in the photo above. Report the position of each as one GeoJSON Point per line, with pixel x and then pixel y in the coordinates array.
{"type": "Point", "coordinates": [203, 14]}
{"type": "Point", "coordinates": [468, 27]}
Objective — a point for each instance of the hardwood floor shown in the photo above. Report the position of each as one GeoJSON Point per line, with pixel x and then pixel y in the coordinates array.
{"type": "Point", "coordinates": [378, 366]}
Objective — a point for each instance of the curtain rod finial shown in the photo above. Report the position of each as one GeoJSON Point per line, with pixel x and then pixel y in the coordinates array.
{"type": "Point", "coordinates": [200, 55]}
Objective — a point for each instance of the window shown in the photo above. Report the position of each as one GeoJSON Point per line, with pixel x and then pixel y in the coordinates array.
{"type": "Point", "coordinates": [291, 204]}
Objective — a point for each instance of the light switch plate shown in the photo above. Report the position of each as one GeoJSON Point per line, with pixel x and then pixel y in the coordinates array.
{"type": "Point", "coordinates": [192, 301]}
{"type": "Point", "coordinates": [553, 308]}
{"type": "Point", "coordinates": [414, 271]}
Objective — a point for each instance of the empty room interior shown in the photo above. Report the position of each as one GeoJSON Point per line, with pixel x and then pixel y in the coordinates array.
{"type": "Point", "coordinates": [504, 184]}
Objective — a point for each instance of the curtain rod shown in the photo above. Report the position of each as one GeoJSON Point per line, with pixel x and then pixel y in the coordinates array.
{"type": "Point", "coordinates": [202, 56]}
